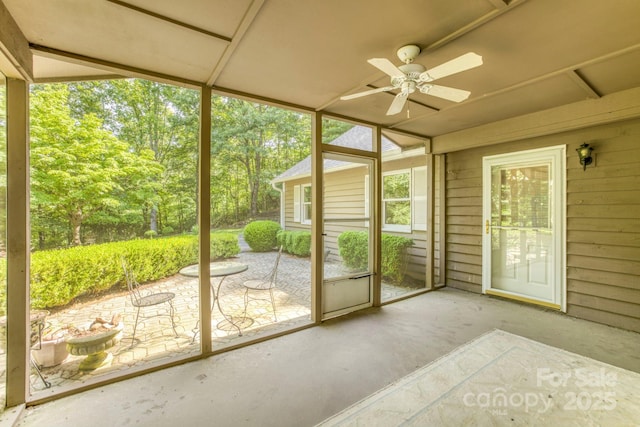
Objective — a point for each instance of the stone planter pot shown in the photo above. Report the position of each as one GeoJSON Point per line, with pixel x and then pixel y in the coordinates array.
{"type": "Point", "coordinates": [50, 352]}
{"type": "Point", "coordinates": [94, 346]}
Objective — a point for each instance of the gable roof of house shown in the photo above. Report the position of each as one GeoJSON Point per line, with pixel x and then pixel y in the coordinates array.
{"type": "Point", "coordinates": [357, 137]}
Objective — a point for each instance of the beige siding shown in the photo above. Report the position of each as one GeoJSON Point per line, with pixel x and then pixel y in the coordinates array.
{"type": "Point", "coordinates": [603, 221]}
{"type": "Point", "coordinates": [346, 199]}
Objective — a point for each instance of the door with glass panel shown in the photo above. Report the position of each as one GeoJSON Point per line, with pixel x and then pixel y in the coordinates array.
{"type": "Point", "coordinates": [523, 225]}
{"type": "Point", "coordinates": [347, 234]}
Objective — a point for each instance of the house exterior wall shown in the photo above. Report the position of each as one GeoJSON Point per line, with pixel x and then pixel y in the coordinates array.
{"type": "Point", "coordinates": [346, 198]}
{"type": "Point", "coordinates": [603, 221]}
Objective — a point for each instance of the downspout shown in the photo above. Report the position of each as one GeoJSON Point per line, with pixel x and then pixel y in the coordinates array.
{"type": "Point", "coordinates": [282, 205]}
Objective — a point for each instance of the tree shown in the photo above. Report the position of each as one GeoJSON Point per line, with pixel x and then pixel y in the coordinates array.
{"type": "Point", "coordinates": [262, 140]}
{"type": "Point", "coordinates": [79, 169]}
{"type": "Point", "coordinates": [157, 117]}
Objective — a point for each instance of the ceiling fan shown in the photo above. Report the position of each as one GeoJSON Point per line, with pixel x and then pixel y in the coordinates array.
{"type": "Point", "coordinates": [411, 77]}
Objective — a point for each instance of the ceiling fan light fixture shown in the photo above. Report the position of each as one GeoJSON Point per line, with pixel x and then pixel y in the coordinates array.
{"type": "Point", "coordinates": [409, 77]}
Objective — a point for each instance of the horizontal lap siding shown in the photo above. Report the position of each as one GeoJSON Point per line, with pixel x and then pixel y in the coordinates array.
{"type": "Point", "coordinates": [464, 221]}
{"type": "Point", "coordinates": [603, 221]}
{"type": "Point", "coordinates": [346, 199]}
{"type": "Point", "coordinates": [603, 228]}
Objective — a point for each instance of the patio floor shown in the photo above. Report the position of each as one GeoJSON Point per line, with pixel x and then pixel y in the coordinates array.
{"type": "Point", "coordinates": [154, 337]}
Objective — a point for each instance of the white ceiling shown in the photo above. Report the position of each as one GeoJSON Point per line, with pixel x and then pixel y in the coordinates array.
{"type": "Point", "coordinates": [537, 54]}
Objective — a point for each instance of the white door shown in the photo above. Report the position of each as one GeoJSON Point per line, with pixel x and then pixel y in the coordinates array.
{"type": "Point", "coordinates": [523, 213]}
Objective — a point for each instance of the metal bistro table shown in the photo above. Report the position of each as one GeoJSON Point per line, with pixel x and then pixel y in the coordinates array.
{"type": "Point", "coordinates": [222, 270]}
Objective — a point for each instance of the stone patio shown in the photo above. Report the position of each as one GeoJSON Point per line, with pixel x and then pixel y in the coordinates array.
{"type": "Point", "coordinates": [155, 339]}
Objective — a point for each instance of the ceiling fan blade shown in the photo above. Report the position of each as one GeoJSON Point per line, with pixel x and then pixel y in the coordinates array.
{"type": "Point", "coordinates": [366, 92]}
{"type": "Point", "coordinates": [450, 93]}
{"type": "Point", "coordinates": [386, 66]}
{"type": "Point", "coordinates": [398, 103]}
{"type": "Point", "coordinates": [462, 63]}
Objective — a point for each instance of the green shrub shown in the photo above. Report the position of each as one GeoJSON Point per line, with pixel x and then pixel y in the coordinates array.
{"type": "Point", "coordinates": [295, 242]}
{"type": "Point", "coordinates": [59, 276]}
{"type": "Point", "coordinates": [261, 236]}
{"type": "Point", "coordinates": [224, 245]}
{"type": "Point", "coordinates": [150, 234]}
{"type": "Point", "coordinates": [354, 250]}
{"type": "Point", "coordinates": [167, 230]}
{"type": "Point", "coordinates": [353, 247]}
{"type": "Point", "coordinates": [394, 256]}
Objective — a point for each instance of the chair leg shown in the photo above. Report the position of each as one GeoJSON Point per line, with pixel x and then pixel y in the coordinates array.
{"type": "Point", "coordinates": [171, 313]}
{"type": "Point", "coordinates": [135, 326]}
{"type": "Point", "coordinates": [273, 304]}
{"type": "Point", "coordinates": [246, 301]}
{"type": "Point", "coordinates": [36, 368]}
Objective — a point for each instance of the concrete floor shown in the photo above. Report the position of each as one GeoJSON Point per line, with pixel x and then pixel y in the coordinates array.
{"type": "Point", "coordinates": [303, 378]}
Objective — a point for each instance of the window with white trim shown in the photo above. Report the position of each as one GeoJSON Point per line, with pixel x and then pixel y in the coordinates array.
{"type": "Point", "coordinates": [296, 203]}
{"type": "Point", "coordinates": [396, 201]}
{"type": "Point", "coordinates": [404, 200]}
{"type": "Point", "coordinates": [306, 203]}
{"type": "Point", "coordinates": [302, 203]}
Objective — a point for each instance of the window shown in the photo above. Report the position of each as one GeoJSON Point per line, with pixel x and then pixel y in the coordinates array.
{"type": "Point", "coordinates": [396, 201]}
{"type": "Point", "coordinates": [404, 200]}
{"type": "Point", "coordinates": [306, 204]}
{"type": "Point", "coordinates": [302, 203]}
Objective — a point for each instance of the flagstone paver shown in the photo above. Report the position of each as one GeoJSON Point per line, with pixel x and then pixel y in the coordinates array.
{"type": "Point", "coordinates": [155, 339]}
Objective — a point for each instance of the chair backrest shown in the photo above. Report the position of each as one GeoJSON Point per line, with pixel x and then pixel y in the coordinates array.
{"type": "Point", "coordinates": [132, 284]}
{"type": "Point", "coordinates": [272, 276]}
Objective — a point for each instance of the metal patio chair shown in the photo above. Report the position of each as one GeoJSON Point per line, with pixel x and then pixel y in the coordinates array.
{"type": "Point", "coordinates": [262, 285]}
{"type": "Point", "coordinates": [140, 300]}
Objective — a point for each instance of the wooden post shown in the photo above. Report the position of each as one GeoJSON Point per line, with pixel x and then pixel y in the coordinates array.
{"type": "Point", "coordinates": [204, 218]}
{"type": "Point", "coordinates": [317, 242]}
{"type": "Point", "coordinates": [17, 242]}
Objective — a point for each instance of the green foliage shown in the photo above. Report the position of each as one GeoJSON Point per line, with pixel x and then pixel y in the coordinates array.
{"type": "Point", "coordinates": [295, 242]}
{"type": "Point", "coordinates": [59, 276]}
{"type": "Point", "coordinates": [80, 170]}
{"type": "Point", "coordinates": [396, 192]}
{"type": "Point", "coordinates": [150, 234]}
{"type": "Point", "coordinates": [167, 230]}
{"type": "Point", "coordinates": [394, 256]}
{"type": "Point", "coordinates": [224, 245]}
{"type": "Point", "coordinates": [354, 250]}
{"type": "Point", "coordinates": [261, 236]}
{"type": "Point", "coordinates": [251, 144]}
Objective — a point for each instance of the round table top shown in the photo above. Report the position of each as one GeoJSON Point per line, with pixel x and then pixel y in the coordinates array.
{"type": "Point", "coordinates": [222, 268]}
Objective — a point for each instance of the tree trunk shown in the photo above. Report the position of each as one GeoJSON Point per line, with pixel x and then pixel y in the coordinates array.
{"type": "Point", "coordinates": [254, 180]}
{"type": "Point", "coordinates": [76, 223]}
{"type": "Point", "coordinates": [153, 218]}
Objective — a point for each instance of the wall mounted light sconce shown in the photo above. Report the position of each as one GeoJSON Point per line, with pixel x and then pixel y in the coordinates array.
{"type": "Point", "coordinates": [584, 154]}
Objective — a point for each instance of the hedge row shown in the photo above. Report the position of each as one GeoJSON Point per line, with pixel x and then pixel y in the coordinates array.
{"type": "Point", "coordinates": [59, 276]}
{"type": "Point", "coordinates": [295, 242]}
{"type": "Point", "coordinates": [354, 250]}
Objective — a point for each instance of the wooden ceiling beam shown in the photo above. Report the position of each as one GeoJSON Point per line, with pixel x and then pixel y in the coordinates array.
{"type": "Point", "coordinates": [247, 20]}
{"type": "Point", "coordinates": [170, 20]}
